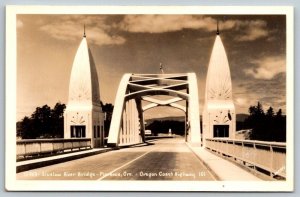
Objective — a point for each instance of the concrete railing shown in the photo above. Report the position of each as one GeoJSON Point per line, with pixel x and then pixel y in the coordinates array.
{"type": "Point", "coordinates": [37, 147]}
{"type": "Point", "coordinates": [268, 156]}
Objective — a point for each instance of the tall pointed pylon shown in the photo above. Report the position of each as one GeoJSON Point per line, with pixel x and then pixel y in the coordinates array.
{"type": "Point", "coordinates": [218, 81]}
{"type": "Point", "coordinates": [219, 111]}
{"type": "Point", "coordinates": [84, 35]}
{"type": "Point", "coordinates": [83, 117]}
{"type": "Point", "coordinates": [84, 86]}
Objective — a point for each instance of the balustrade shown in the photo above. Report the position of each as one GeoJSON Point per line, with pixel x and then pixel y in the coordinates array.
{"type": "Point", "coordinates": [269, 156]}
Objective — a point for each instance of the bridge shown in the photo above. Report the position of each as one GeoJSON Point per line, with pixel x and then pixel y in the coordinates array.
{"type": "Point", "coordinates": [210, 153]}
{"type": "Point", "coordinates": [161, 158]}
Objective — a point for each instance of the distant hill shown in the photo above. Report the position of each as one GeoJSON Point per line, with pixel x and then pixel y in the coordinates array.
{"type": "Point", "coordinates": [174, 118]}
{"type": "Point", "coordinates": [239, 117]}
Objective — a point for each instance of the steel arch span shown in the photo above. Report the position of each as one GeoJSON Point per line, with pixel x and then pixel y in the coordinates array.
{"type": "Point", "coordinates": [127, 124]}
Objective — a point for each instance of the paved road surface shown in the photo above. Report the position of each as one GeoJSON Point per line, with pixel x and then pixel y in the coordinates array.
{"type": "Point", "coordinates": [163, 159]}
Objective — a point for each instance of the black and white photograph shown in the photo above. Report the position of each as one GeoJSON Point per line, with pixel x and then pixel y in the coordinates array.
{"type": "Point", "coordinates": [138, 98]}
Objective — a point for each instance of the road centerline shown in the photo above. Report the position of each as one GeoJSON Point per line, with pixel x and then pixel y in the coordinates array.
{"type": "Point", "coordinates": [111, 172]}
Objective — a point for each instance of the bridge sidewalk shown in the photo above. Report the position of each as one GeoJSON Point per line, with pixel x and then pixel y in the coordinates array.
{"type": "Point", "coordinates": [222, 168]}
{"type": "Point", "coordinates": [46, 161]}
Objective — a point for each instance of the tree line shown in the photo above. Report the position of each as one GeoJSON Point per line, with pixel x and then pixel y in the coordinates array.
{"type": "Point", "coordinates": [266, 126]}
{"type": "Point", "coordinates": [49, 123]}
{"type": "Point", "coordinates": [163, 126]}
{"type": "Point", "coordinates": [45, 122]}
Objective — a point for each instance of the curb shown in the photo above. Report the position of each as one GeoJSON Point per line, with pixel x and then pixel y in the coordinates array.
{"type": "Point", "coordinates": [39, 164]}
{"type": "Point", "coordinates": [204, 163]}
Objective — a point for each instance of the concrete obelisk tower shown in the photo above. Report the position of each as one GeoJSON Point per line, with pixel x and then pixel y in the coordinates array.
{"type": "Point", "coordinates": [219, 117]}
{"type": "Point", "coordinates": [83, 117]}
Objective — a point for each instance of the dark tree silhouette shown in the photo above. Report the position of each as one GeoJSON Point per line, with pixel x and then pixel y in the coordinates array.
{"type": "Point", "coordinates": [57, 118]}
{"type": "Point", "coordinates": [280, 126]}
{"type": "Point", "coordinates": [266, 126]}
{"type": "Point", "coordinates": [43, 123]}
{"type": "Point", "coordinates": [270, 113]}
{"type": "Point", "coordinates": [163, 126]}
{"type": "Point", "coordinates": [42, 120]}
{"type": "Point", "coordinates": [107, 108]}
{"type": "Point", "coordinates": [26, 129]}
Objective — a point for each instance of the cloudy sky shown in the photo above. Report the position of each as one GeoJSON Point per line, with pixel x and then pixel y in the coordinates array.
{"type": "Point", "coordinates": [46, 46]}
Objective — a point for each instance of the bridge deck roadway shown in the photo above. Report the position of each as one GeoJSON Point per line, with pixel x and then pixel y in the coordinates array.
{"type": "Point", "coordinates": [163, 159]}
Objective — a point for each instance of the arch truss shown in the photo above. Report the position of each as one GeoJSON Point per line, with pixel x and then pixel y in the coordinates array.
{"type": "Point", "coordinates": [136, 94]}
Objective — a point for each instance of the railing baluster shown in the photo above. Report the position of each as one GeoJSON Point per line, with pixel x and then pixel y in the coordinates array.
{"type": "Point", "coordinates": [272, 157]}
{"type": "Point", "coordinates": [49, 146]}
{"type": "Point", "coordinates": [260, 154]}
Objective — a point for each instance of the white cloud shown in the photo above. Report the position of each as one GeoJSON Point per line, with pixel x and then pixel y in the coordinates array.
{"type": "Point", "coordinates": [169, 23]}
{"type": "Point", "coordinates": [71, 28]}
{"type": "Point", "coordinates": [20, 24]}
{"type": "Point", "coordinates": [267, 67]}
{"type": "Point", "coordinates": [252, 30]}
{"type": "Point", "coordinates": [248, 30]}
{"type": "Point", "coordinates": [241, 101]}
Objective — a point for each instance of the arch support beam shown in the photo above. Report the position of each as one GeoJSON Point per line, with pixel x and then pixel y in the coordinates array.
{"type": "Point", "coordinates": [127, 126]}
{"type": "Point", "coordinates": [193, 111]}
{"type": "Point", "coordinates": [115, 126]}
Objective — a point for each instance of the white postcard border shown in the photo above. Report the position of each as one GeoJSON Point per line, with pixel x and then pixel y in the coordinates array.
{"type": "Point", "coordinates": [10, 108]}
